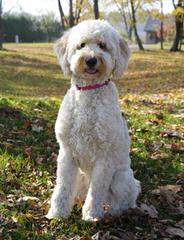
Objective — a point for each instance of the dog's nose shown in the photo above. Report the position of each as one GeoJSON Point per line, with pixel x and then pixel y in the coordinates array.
{"type": "Point", "coordinates": [91, 61]}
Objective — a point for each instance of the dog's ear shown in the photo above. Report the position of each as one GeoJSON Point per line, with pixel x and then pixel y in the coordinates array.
{"type": "Point", "coordinates": [121, 58]}
{"type": "Point", "coordinates": [61, 50]}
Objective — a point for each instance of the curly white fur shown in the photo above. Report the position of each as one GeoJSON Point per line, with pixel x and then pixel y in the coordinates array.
{"type": "Point", "coordinates": [93, 161]}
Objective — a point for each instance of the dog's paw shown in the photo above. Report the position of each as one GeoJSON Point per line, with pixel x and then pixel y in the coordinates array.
{"type": "Point", "coordinates": [53, 213]}
{"type": "Point", "coordinates": [90, 218]}
{"type": "Point", "coordinates": [50, 214]}
{"type": "Point", "coordinates": [92, 215]}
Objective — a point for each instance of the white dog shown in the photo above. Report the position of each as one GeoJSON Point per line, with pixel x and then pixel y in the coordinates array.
{"type": "Point", "coordinates": [93, 161]}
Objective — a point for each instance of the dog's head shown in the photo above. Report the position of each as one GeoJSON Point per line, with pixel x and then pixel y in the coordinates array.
{"type": "Point", "coordinates": [92, 49]}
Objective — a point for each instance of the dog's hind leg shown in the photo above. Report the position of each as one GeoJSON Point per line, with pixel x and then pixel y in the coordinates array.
{"type": "Point", "coordinates": [124, 191]}
{"type": "Point", "coordinates": [64, 192]}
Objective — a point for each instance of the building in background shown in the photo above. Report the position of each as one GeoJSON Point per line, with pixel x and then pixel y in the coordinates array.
{"type": "Point", "coordinates": [152, 29]}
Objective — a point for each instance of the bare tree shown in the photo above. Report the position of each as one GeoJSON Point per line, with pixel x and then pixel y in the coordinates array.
{"type": "Point", "coordinates": [62, 16]}
{"type": "Point", "coordinates": [134, 23]}
{"type": "Point", "coordinates": [1, 26]}
{"type": "Point", "coordinates": [78, 10]}
{"type": "Point", "coordinates": [96, 9]}
{"type": "Point", "coordinates": [71, 17]}
{"type": "Point", "coordinates": [179, 22]}
{"type": "Point", "coordinates": [126, 17]}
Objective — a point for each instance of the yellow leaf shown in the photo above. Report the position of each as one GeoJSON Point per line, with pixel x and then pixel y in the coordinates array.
{"type": "Point", "coordinates": [15, 218]}
{"type": "Point", "coordinates": [28, 215]}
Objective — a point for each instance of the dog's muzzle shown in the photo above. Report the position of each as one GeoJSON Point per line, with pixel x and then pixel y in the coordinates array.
{"type": "Point", "coordinates": [91, 61]}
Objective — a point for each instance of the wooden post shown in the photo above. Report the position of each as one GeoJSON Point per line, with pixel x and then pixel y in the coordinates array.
{"type": "Point", "coordinates": [161, 26]}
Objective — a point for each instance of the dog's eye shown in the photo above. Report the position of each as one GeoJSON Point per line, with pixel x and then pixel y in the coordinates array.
{"type": "Point", "coordinates": [102, 46]}
{"type": "Point", "coordinates": [82, 45]}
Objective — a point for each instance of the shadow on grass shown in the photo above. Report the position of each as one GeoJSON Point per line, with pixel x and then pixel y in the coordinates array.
{"type": "Point", "coordinates": [30, 133]}
{"type": "Point", "coordinates": [153, 172]}
{"type": "Point", "coordinates": [27, 83]}
{"type": "Point", "coordinates": [8, 50]}
{"type": "Point", "coordinates": [30, 76]}
{"type": "Point", "coordinates": [27, 136]}
{"type": "Point", "coordinates": [34, 85]}
{"type": "Point", "coordinates": [20, 60]}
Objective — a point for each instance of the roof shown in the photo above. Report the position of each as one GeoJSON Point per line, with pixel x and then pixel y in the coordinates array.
{"type": "Point", "coordinates": [151, 24]}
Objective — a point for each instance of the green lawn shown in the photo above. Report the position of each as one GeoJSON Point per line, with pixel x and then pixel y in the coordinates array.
{"type": "Point", "coordinates": [152, 99]}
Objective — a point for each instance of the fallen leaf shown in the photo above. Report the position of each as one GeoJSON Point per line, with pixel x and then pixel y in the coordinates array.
{"type": "Point", "coordinates": [28, 215]}
{"type": "Point", "coordinates": [154, 146]}
{"type": "Point", "coordinates": [39, 160]}
{"type": "Point", "coordinates": [153, 121]}
{"type": "Point", "coordinates": [180, 224]}
{"type": "Point", "coordinates": [62, 238]}
{"type": "Point", "coordinates": [170, 197]}
{"type": "Point", "coordinates": [167, 221]}
{"type": "Point", "coordinates": [36, 128]}
{"type": "Point", "coordinates": [173, 188]}
{"type": "Point", "coordinates": [2, 197]}
{"type": "Point", "coordinates": [30, 200]}
{"type": "Point", "coordinates": [181, 116]}
{"type": "Point", "coordinates": [15, 218]}
{"type": "Point", "coordinates": [28, 151]}
{"type": "Point", "coordinates": [178, 147]}
{"type": "Point", "coordinates": [150, 210]}
{"type": "Point", "coordinates": [101, 236]}
{"type": "Point", "coordinates": [53, 157]}
{"type": "Point", "coordinates": [173, 231]}
{"type": "Point", "coordinates": [170, 134]}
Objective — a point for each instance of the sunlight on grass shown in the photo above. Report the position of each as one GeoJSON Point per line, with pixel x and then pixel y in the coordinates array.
{"type": "Point", "coordinates": [31, 89]}
{"type": "Point", "coordinates": [4, 157]}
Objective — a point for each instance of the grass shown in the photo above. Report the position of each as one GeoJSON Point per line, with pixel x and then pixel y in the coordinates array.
{"type": "Point", "coordinates": [152, 99]}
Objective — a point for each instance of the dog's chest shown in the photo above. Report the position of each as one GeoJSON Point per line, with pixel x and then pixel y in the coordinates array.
{"type": "Point", "coordinates": [87, 132]}
{"type": "Point", "coordinates": [85, 125]}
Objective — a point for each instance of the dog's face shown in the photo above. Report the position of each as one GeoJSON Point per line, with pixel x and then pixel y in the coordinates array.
{"type": "Point", "coordinates": [92, 50]}
{"type": "Point", "coordinates": [91, 59]}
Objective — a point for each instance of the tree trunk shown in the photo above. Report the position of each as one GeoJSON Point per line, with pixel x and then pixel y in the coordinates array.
{"type": "Point", "coordinates": [130, 33]}
{"type": "Point", "coordinates": [161, 36]}
{"type": "Point", "coordinates": [179, 29]}
{"type": "Point", "coordinates": [125, 22]}
{"type": "Point", "coordinates": [78, 16]}
{"type": "Point", "coordinates": [71, 18]}
{"type": "Point", "coordinates": [123, 14]}
{"type": "Point", "coordinates": [61, 15]}
{"type": "Point", "coordinates": [1, 26]}
{"type": "Point", "coordinates": [96, 10]}
{"type": "Point", "coordinates": [178, 36]}
{"type": "Point", "coordinates": [138, 40]}
{"type": "Point", "coordinates": [78, 12]}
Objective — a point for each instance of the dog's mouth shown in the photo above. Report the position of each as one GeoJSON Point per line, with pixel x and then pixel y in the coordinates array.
{"type": "Point", "coordinates": [91, 71]}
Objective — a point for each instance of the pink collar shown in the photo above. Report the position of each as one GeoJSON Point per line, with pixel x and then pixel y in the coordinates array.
{"type": "Point", "coordinates": [91, 87]}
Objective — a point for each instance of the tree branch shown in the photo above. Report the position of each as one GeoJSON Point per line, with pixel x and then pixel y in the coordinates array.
{"type": "Point", "coordinates": [174, 4]}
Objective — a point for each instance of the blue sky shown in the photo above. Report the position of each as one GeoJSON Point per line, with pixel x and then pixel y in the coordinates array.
{"type": "Point", "coordinates": [44, 6]}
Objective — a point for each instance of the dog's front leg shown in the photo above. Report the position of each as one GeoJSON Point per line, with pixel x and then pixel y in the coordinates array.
{"type": "Point", "coordinates": [96, 200]}
{"type": "Point", "coordinates": [63, 196]}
